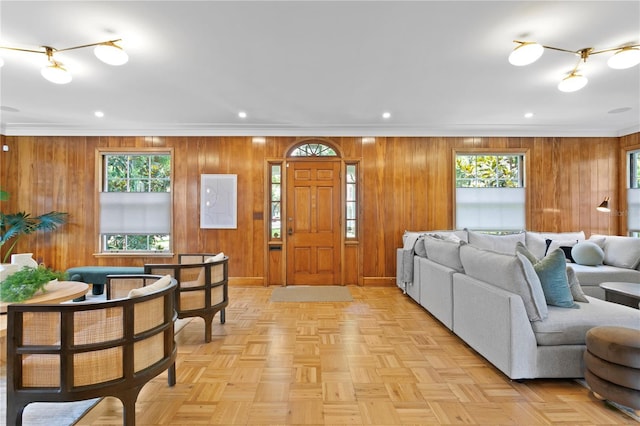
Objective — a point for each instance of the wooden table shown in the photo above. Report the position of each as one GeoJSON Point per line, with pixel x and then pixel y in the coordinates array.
{"type": "Point", "coordinates": [57, 291]}
{"type": "Point", "coordinates": [622, 293]}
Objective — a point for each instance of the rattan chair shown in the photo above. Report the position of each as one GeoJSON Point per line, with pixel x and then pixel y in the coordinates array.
{"type": "Point", "coordinates": [78, 351]}
{"type": "Point", "coordinates": [202, 287]}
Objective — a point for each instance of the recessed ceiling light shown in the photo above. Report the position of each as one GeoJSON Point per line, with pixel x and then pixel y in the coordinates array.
{"type": "Point", "coordinates": [99, 114]}
{"type": "Point", "coordinates": [386, 115]}
{"type": "Point", "coordinates": [242, 114]}
{"type": "Point", "coordinates": [528, 114]}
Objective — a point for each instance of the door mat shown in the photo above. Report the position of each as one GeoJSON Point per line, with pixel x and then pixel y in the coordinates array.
{"type": "Point", "coordinates": [305, 293]}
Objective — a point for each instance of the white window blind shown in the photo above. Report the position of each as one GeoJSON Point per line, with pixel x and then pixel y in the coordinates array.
{"type": "Point", "coordinates": [135, 212]}
{"type": "Point", "coordinates": [633, 206]}
{"type": "Point", "coordinates": [490, 208]}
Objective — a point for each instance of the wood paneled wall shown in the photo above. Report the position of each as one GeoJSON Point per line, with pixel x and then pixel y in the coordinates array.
{"type": "Point", "coordinates": [406, 184]}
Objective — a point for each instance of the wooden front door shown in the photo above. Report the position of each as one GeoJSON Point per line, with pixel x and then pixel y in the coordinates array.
{"type": "Point", "coordinates": [312, 222]}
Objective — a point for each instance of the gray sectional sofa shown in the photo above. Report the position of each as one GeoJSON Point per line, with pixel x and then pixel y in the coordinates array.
{"type": "Point", "coordinates": [482, 289]}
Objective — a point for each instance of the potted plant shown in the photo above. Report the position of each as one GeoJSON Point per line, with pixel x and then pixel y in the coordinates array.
{"type": "Point", "coordinates": [22, 285]}
{"type": "Point", "coordinates": [15, 225]}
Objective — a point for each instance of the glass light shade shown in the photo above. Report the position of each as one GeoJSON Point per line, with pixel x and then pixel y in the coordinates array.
{"type": "Point", "coordinates": [572, 83]}
{"type": "Point", "coordinates": [56, 73]}
{"type": "Point", "coordinates": [525, 54]}
{"type": "Point", "coordinates": [1, 62]}
{"type": "Point", "coordinates": [111, 54]}
{"type": "Point", "coordinates": [626, 58]}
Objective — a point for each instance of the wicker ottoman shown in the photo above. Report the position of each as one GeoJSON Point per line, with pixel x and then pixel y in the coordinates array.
{"type": "Point", "coordinates": [612, 365]}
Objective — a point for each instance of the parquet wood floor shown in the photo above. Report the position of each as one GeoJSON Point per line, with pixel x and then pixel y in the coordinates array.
{"type": "Point", "coordinates": [380, 360]}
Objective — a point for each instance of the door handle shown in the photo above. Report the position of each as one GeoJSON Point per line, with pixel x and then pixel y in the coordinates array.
{"type": "Point", "coordinates": [290, 231]}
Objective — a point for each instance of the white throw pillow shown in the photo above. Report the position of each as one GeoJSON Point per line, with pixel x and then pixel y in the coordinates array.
{"type": "Point", "coordinates": [216, 258]}
{"type": "Point", "coordinates": [148, 289]}
{"type": "Point", "coordinates": [536, 242]}
{"type": "Point", "coordinates": [623, 252]}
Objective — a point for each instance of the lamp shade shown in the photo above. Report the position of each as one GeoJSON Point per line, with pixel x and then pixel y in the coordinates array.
{"type": "Point", "coordinates": [525, 54]}
{"type": "Point", "coordinates": [625, 58]}
{"type": "Point", "coordinates": [573, 82]}
{"type": "Point", "coordinates": [111, 54]}
{"type": "Point", "coordinates": [56, 73]}
{"type": "Point", "coordinates": [1, 62]}
{"type": "Point", "coordinates": [604, 206]}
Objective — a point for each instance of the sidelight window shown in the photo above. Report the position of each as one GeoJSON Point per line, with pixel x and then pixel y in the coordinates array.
{"type": "Point", "coordinates": [275, 179]}
{"type": "Point", "coordinates": [351, 198]}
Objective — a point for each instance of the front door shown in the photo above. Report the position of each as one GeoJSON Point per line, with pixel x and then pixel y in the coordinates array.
{"type": "Point", "coordinates": [313, 222]}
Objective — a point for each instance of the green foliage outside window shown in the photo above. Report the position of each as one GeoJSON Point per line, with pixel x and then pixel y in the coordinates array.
{"type": "Point", "coordinates": [137, 173]}
{"type": "Point", "coordinates": [488, 171]}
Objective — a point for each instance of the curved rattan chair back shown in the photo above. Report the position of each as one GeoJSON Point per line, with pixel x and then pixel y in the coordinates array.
{"type": "Point", "coordinates": [77, 351]}
{"type": "Point", "coordinates": [202, 287]}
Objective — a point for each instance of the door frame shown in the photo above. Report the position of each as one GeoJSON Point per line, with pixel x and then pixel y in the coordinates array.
{"type": "Point", "coordinates": [284, 162]}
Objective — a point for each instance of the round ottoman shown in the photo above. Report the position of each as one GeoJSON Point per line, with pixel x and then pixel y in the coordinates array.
{"type": "Point", "coordinates": [612, 364]}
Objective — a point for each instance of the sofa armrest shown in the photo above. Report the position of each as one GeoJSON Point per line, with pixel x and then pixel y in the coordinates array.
{"type": "Point", "coordinates": [494, 322]}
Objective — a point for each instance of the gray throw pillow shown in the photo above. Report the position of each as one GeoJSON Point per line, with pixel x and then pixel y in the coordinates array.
{"type": "Point", "coordinates": [575, 287]}
{"type": "Point", "coordinates": [444, 252]}
{"type": "Point", "coordinates": [587, 253]}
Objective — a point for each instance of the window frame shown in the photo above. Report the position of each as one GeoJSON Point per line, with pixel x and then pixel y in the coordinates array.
{"type": "Point", "coordinates": [100, 159]}
{"type": "Point", "coordinates": [522, 179]}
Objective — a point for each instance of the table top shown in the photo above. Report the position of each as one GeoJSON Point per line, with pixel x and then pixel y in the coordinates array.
{"type": "Point", "coordinates": [627, 289]}
{"type": "Point", "coordinates": [57, 291]}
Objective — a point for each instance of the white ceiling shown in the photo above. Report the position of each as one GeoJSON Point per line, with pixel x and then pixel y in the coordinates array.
{"type": "Point", "coordinates": [321, 68]}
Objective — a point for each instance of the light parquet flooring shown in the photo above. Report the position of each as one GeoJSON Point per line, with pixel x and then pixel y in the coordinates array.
{"type": "Point", "coordinates": [379, 360]}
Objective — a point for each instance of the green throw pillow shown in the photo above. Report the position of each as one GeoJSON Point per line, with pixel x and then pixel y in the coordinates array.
{"type": "Point", "coordinates": [552, 271]}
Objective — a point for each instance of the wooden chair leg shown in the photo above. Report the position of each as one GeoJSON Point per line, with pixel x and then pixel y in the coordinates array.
{"type": "Point", "coordinates": [128, 399]}
{"type": "Point", "coordinates": [14, 414]}
{"type": "Point", "coordinates": [208, 329]}
{"type": "Point", "coordinates": [172, 374]}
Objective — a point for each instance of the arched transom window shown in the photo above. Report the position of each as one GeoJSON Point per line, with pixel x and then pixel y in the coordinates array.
{"type": "Point", "coordinates": [314, 150]}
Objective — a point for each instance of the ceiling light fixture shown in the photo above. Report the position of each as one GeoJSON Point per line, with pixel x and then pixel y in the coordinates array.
{"type": "Point", "coordinates": [107, 51]}
{"type": "Point", "coordinates": [527, 52]}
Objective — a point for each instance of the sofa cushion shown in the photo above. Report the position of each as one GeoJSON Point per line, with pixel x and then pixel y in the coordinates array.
{"type": "Point", "coordinates": [587, 253]}
{"type": "Point", "coordinates": [623, 252]}
{"type": "Point", "coordinates": [594, 275]}
{"type": "Point", "coordinates": [575, 287]}
{"type": "Point", "coordinates": [552, 271]}
{"type": "Point", "coordinates": [419, 248]}
{"type": "Point", "coordinates": [455, 235]}
{"type": "Point", "coordinates": [570, 326]}
{"type": "Point", "coordinates": [508, 272]}
{"type": "Point", "coordinates": [148, 289]}
{"type": "Point", "coordinates": [536, 242]}
{"type": "Point", "coordinates": [499, 243]}
{"type": "Point", "coordinates": [445, 252]}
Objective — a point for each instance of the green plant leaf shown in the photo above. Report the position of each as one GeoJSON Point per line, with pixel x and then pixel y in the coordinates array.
{"type": "Point", "coordinates": [22, 285]}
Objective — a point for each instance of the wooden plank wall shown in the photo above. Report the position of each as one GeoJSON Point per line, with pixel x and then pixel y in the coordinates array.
{"type": "Point", "coordinates": [407, 184]}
